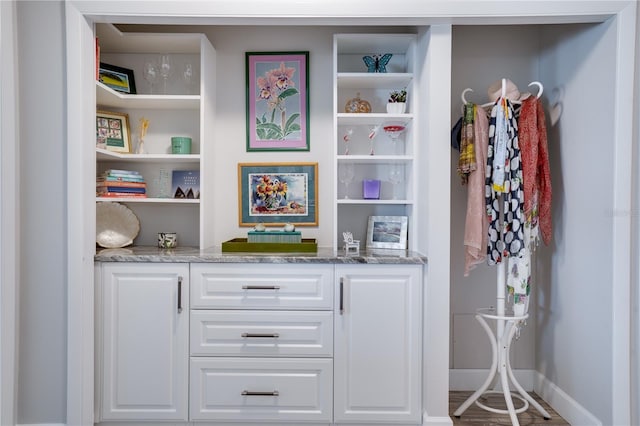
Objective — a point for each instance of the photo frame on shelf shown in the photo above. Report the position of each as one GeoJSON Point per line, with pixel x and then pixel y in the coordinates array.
{"type": "Point", "coordinates": [277, 92]}
{"type": "Point", "coordinates": [387, 232]}
{"type": "Point", "coordinates": [112, 131]}
{"type": "Point", "coordinates": [278, 193]}
{"type": "Point", "coordinates": [118, 78]}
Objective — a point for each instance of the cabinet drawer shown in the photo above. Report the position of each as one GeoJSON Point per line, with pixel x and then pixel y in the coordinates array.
{"type": "Point", "coordinates": [250, 286]}
{"type": "Point", "coordinates": [269, 389]}
{"type": "Point", "coordinates": [262, 333]}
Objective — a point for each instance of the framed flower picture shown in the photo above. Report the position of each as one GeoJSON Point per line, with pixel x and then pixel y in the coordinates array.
{"type": "Point", "coordinates": [277, 86]}
{"type": "Point", "coordinates": [112, 131]}
{"type": "Point", "coordinates": [277, 193]}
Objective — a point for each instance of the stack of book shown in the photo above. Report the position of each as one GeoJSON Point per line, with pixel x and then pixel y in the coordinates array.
{"type": "Point", "coordinates": [121, 183]}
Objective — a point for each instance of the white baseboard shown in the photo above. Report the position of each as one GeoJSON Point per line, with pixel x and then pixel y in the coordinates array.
{"type": "Point", "coordinates": [41, 424]}
{"type": "Point", "coordinates": [436, 421]}
{"type": "Point", "coordinates": [564, 405]}
{"type": "Point", "coordinates": [530, 380]}
{"type": "Point", "coordinates": [472, 379]}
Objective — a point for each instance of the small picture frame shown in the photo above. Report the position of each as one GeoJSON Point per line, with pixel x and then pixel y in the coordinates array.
{"type": "Point", "coordinates": [112, 131]}
{"type": "Point", "coordinates": [117, 78]}
{"type": "Point", "coordinates": [387, 232]}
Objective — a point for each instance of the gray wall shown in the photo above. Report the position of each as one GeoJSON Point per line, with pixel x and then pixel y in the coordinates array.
{"type": "Point", "coordinates": [42, 288]}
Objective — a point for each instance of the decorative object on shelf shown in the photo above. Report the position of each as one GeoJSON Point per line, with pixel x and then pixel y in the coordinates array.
{"type": "Point", "coordinates": [274, 237]}
{"type": "Point", "coordinates": [260, 227]}
{"type": "Point", "coordinates": [377, 63]}
{"type": "Point", "coordinates": [388, 232]}
{"type": "Point", "coordinates": [167, 240]}
{"type": "Point", "coordinates": [395, 177]}
{"type": "Point", "coordinates": [371, 189]}
{"type": "Point", "coordinates": [163, 183]}
{"type": "Point", "coordinates": [180, 145]}
{"type": "Point", "coordinates": [242, 245]}
{"type": "Point", "coordinates": [351, 246]}
{"type": "Point", "coordinates": [151, 74]}
{"type": "Point", "coordinates": [277, 85]}
{"type": "Point", "coordinates": [397, 102]}
{"type": "Point", "coordinates": [346, 138]}
{"type": "Point", "coordinates": [278, 193]}
{"type": "Point", "coordinates": [112, 131]}
{"type": "Point", "coordinates": [188, 76]}
{"type": "Point", "coordinates": [118, 78]}
{"type": "Point", "coordinates": [289, 227]}
{"type": "Point", "coordinates": [185, 184]}
{"type": "Point", "coordinates": [346, 173]}
{"type": "Point", "coordinates": [373, 131]}
{"type": "Point", "coordinates": [165, 69]}
{"type": "Point", "coordinates": [357, 105]}
{"type": "Point", "coordinates": [142, 132]}
{"type": "Point", "coordinates": [393, 130]}
{"type": "Point", "coordinates": [116, 225]}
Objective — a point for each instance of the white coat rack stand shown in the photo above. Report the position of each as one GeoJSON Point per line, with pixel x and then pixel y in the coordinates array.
{"type": "Point", "coordinates": [506, 327]}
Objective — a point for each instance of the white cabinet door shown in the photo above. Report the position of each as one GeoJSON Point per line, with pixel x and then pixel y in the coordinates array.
{"type": "Point", "coordinates": [144, 341]}
{"type": "Point", "coordinates": [377, 350]}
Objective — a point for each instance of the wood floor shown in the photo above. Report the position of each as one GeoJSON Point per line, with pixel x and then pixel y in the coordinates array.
{"type": "Point", "coordinates": [476, 416]}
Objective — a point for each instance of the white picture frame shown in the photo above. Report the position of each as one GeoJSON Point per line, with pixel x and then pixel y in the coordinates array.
{"type": "Point", "coordinates": [387, 232]}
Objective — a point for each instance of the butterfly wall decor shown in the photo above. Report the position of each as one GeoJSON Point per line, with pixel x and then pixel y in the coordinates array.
{"type": "Point", "coordinates": [377, 63]}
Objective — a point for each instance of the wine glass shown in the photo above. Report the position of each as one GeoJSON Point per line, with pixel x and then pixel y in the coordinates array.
{"type": "Point", "coordinates": [166, 69]}
{"type": "Point", "coordinates": [395, 177]}
{"type": "Point", "coordinates": [373, 131]}
{"type": "Point", "coordinates": [345, 175]}
{"type": "Point", "coordinates": [187, 76]}
{"type": "Point", "coordinates": [151, 74]}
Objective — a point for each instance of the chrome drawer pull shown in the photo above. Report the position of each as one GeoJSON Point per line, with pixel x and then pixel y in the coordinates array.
{"type": "Point", "coordinates": [261, 287]}
{"type": "Point", "coordinates": [251, 393]}
{"type": "Point", "coordinates": [269, 335]}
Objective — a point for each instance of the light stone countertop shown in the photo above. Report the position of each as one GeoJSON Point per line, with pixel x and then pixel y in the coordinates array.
{"type": "Point", "coordinates": [195, 255]}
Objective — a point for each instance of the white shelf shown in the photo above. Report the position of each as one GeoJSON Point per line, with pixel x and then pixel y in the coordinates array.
{"type": "Point", "coordinates": [148, 200]}
{"type": "Point", "coordinates": [354, 201]}
{"type": "Point", "coordinates": [105, 155]}
{"type": "Point", "coordinates": [375, 159]}
{"type": "Point", "coordinates": [365, 80]}
{"type": "Point", "coordinates": [345, 118]}
{"type": "Point", "coordinates": [107, 97]}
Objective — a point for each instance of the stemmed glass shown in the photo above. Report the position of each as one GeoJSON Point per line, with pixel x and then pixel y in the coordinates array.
{"type": "Point", "coordinates": [187, 75]}
{"type": "Point", "coordinates": [166, 69]}
{"type": "Point", "coordinates": [373, 131]}
{"type": "Point", "coordinates": [393, 131]}
{"type": "Point", "coordinates": [151, 74]}
{"type": "Point", "coordinates": [345, 175]}
{"type": "Point", "coordinates": [395, 177]}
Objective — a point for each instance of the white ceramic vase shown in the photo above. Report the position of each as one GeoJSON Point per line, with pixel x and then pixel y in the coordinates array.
{"type": "Point", "coordinates": [396, 107]}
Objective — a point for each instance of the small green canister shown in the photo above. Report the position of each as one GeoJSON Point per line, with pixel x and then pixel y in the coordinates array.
{"type": "Point", "coordinates": [180, 145]}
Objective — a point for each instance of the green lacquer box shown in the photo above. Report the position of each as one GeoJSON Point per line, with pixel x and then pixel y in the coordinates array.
{"type": "Point", "coordinates": [237, 245]}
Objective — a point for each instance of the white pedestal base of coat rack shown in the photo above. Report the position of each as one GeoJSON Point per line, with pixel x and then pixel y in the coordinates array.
{"type": "Point", "coordinates": [506, 327]}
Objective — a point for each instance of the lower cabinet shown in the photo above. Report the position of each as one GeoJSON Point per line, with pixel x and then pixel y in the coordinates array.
{"type": "Point", "coordinates": [259, 343]}
{"type": "Point", "coordinates": [378, 344]}
{"type": "Point", "coordinates": [143, 334]}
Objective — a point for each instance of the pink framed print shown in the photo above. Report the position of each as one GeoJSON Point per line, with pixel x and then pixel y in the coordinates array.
{"type": "Point", "coordinates": [277, 101]}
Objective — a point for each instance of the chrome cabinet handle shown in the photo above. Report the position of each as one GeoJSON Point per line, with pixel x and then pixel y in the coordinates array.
{"type": "Point", "coordinates": [341, 295]}
{"type": "Point", "coordinates": [261, 287]}
{"type": "Point", "coordinates": [268, 335]}
{"type": "Point", "coordinates": [252, 393]}
{"type": "Point", "coordinates": [179, 294]}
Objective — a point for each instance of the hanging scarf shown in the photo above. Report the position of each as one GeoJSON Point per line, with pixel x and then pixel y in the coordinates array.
{"type": "Point", "coordinates": [504, 178]}
{"type": "Point", "coordinates": [467, 161]}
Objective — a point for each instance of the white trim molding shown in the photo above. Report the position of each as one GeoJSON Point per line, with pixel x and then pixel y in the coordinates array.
{"type": "Point", "coordinates": [9, 217]}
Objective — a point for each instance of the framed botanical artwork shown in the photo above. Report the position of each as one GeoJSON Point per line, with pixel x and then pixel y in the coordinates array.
{"type": "Point", "coordinates": [117, 78]}
{"type": "Point", "coordinates": [277, 101]}
{"type": "Point", "coordinates": [278, 193]}
{"type": "Point", "coordinates": [112, 131]}
{"type": "Point", "coordinates": [388, 232]}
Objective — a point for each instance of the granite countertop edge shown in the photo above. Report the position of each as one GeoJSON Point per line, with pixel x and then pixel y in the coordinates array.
{"type": "Point", "coordinates": [195, 255]}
